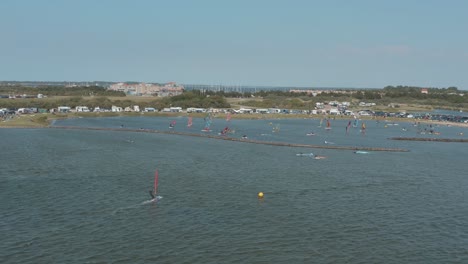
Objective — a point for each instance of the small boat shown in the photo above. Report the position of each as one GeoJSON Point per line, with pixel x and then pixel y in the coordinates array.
{"type": "Point", "coordinates": [320, 157]}
{"type": "Point", "coordinates": [361, 152]}
{"type": "Point", "coordinates": [310, 134]}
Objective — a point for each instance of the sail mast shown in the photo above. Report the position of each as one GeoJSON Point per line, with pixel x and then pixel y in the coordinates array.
{"type": "Point", "coordinates": [156, 182]}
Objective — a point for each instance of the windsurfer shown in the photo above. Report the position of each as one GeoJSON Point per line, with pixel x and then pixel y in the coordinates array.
{"type": "Point", "coordinates": [151, 194]}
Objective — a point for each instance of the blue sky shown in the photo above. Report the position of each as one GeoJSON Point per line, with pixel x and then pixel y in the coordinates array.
{"type": "Point", "coordinates": [267, 43]}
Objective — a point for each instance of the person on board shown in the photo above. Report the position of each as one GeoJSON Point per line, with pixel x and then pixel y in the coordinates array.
{"type": "Point", "coordinates": [151, 194]}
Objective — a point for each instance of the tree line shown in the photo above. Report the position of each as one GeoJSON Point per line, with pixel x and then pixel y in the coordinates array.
{"type": "Point", "coordinates": [99, 96]}
{"type": "Point", "coordinates": [60, 91]}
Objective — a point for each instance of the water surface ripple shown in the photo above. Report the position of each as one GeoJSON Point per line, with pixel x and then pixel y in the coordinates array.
{"type": "Point", "coordinates": [78, 196]}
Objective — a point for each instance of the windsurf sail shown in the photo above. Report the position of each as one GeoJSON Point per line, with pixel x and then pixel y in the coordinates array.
{"type": "Point", "coordinates": [276, 128]}
{"type": "Point", "coordinates": [207, 123]}
{"type": "Point", "coordinates": [328, 124]}
{"type": "Point", "coordinates": [348, 126]}
{"type": "Point", "coordinates": [224, 131]}
{"type": "Point", "coordinates": [228, 117]}
{"type": "Point", "coordinates": [321, 121]}
{"type": "Point", "coordinates": [172, 124]}
{"type": "Point", "coordinates": [355, 124]}
{"type": "Point", "coordinates": [189, 123]}
{"type": "Point", "coordinates": [363, 128]}
{"type": "Point", "coordinates": [155, 188]}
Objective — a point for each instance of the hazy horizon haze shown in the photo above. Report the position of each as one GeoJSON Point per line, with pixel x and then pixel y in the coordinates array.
{"type": "Point", "coordinates": [362, 44]}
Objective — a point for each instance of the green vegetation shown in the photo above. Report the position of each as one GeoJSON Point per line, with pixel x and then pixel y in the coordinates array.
{"type": "Point", "coordinates": [445, 98]}
{"type": "Point", "coordinates": [196, 99]}
{"type": "Point", "coordinates": [40, 120]}
{"type": "Point", "coordinates": [187, 99]}
{"type": "Point", "coordinates": [60, 91]}
{"type": "Point", "coordinates": [404, 96]}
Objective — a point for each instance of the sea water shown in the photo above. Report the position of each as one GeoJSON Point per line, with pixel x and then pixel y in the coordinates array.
{"type": "Point", "coordinates": [80, 196]}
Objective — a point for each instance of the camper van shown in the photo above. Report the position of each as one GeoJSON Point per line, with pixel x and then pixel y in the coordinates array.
{"type": "Point", "coordinates": [82, 109]}
{"type": "Point", "coordinates": [63, 109]}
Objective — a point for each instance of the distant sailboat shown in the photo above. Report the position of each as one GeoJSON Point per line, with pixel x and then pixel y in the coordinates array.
{"type": "Point", "coordinates": [224, 131]}
{"type": "Point", "coordinates": [154, 193]}
{"type": "Point", "coordinates": [172, 124]}
{"type": "Point", "coordinates": [363, 128]}
{"type": "Point", "coordinates": [311, 133]}
{"type": "Point", "coordinates": [321, 121]}
{"type": "Point", "coordinates": [356, 121]}
{"type": "Point", "coordinates": [276, 128]}
{"type": "Point", "coordinates": [348, 126]}
{"type": "Point", "coordinates": [156, 178]}
{"type": "Point", "coordinates": [328, 125]}
{"type": "Point", "coordinates": [227, 129]}
{"type": "Point", "coordinates": [207, 127]}
{"type": "Point", "coordinates": [189, 123]}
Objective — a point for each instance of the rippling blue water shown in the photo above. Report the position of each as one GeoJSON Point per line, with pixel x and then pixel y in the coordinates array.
{"type": "Point", "coordinates": [78, 196]}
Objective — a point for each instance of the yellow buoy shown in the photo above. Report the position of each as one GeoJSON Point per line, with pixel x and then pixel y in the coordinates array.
{"type": "Point", "coordinates": [260, 195]}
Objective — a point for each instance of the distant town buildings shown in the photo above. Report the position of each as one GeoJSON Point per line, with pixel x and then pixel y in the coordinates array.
{"type": "Point", "coordinates": [424, 91]}
{"type": "Point", "coordinates": [146, 89]}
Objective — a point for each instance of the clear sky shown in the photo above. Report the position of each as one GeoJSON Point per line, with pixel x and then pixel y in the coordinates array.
{"type": "Point", "coordinates": [347, 43]}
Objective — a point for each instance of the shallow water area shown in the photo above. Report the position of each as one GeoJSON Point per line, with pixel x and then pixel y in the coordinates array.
{"type": "Point", "coordinates": [80, 196]}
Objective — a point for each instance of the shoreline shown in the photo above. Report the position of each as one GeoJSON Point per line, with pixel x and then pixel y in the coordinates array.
{"type": "Point", "coordinates": [45, 120]}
